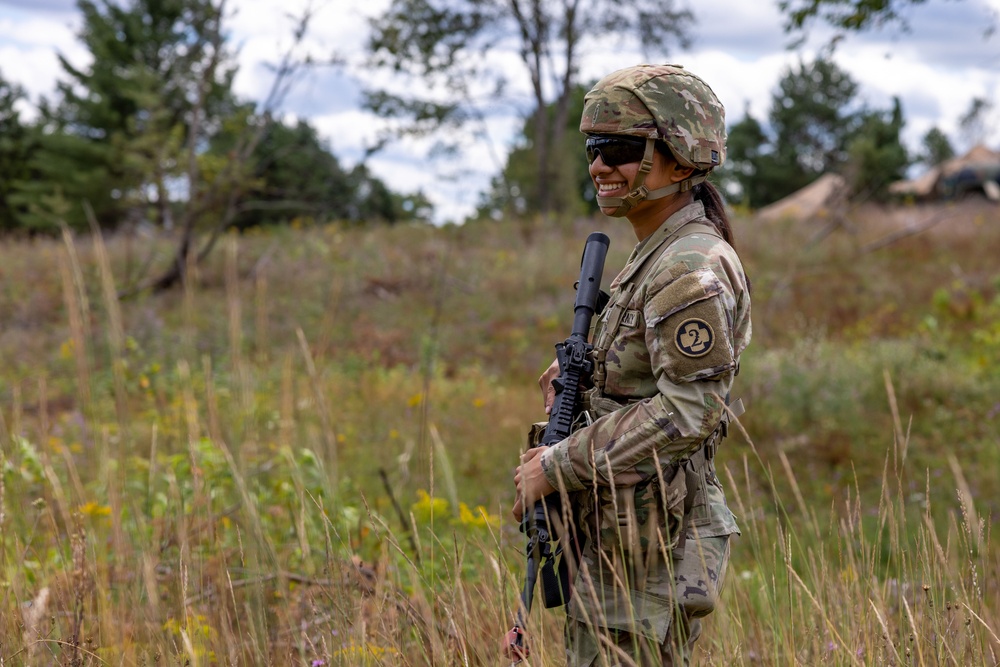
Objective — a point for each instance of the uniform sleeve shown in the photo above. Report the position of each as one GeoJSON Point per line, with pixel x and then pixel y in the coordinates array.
{"type": "Point", "coordinates": [688, 334]}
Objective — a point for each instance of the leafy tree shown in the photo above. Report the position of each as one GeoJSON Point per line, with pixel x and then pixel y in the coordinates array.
{"type": "Point", "coordinates": [936, 148]}
{"type": "Point", "coordinates": [812, 118]}
{"type": "Point", "coordinates": [16, 145]}
{"type": "Point", "coordinates": [975, 124]}
{"type": "Point", "coordinates": [63, 171]}
{"type": "Point", "coordinates": [877, 155]}
{"type": "Point", "coordinates": [158, 80]}
{"type": "Point", "coordinates": [294, 175]}
{"type": "Point", "coordinates": [374, 201]}
{"type": "Point", "coordinates": [444, 44]}
{"type": "Point", "coordinates": [570, 188]}
{"type": "Point", "coordinates": [811, 123]}
{"type": "Point", "coordinates": [745, 150]}
{"type": "Point", "coordinates": [758, 171]}
{"type": "Point", "coordinates": [150, 131]}
{"type": "Point", "coordinates": [846, 15]}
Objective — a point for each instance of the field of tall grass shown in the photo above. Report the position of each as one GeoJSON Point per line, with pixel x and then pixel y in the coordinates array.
{"type": "Point", "coordinates": [304, 456]}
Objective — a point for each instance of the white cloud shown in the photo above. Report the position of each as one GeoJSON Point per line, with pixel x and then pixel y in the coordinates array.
{"type": "Point", "coordinates": [263, 32]}
{"type": "Point", "coordinates": [453, 186]}
{"type": "Point", "coordinates": [34, 68]}
{"type": "Point", "coordinates": [64, 6]}
{"type": "Point", "coordinates": [29, 49]}
{"type": "Point", "coordinates": [738, 82]}
{"type": "Point", "coordinates": [349, 132]}
{"type": "Point", "coordinates": [935, 98]}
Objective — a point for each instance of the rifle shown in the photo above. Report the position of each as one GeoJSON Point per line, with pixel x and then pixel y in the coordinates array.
{"type": "Point", "coordinates": [575, 365]}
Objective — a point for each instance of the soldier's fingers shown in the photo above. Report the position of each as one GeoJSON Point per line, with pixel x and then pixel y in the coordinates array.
{"type": "Point", "coordinates": [545, 379]}
{"type": "Point", "coordinates": [531, 453]}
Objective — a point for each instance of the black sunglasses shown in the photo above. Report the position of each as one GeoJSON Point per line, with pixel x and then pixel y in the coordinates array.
{"type": "Point", "coordinates": [615, 150]}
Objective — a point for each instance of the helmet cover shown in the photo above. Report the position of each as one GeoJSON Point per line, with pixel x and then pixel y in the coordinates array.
{"type": "Point", "coordinates": [664, 102]}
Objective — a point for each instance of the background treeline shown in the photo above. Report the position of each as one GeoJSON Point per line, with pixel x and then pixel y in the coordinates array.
{"type": "Point", "coordinates": [152, 132]}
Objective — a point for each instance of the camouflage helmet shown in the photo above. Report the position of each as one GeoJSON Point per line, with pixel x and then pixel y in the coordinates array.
{"type": "Point", "coordinates": [664, 102]}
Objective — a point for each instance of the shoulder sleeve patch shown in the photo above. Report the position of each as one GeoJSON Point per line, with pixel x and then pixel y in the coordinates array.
{"type": "Point", "coordinates": [694, 337]}
{"type": "Point", "coordinates": [678, 294]}
{"type": "Point", "coordinates": [688, 329]}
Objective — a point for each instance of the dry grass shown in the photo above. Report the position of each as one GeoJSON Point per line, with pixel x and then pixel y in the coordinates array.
{"type": "Point", "coordinates": [197, 477]}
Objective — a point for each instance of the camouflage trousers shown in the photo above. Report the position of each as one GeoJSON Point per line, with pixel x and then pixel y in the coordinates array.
{"type": "Point", "coordinates": [699, 578]}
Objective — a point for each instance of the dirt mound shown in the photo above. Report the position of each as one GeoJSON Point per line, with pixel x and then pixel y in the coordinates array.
{"type": "Point", "coordinates": [816, 200]}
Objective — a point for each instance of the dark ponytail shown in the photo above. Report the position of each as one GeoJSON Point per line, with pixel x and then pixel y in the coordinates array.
{"type": "Point", "coordinates": [715, 209]}
{"type": "Point", "coordinates": [708, 195]}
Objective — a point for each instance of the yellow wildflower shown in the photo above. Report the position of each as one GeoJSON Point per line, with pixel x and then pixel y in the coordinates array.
{"type": "Point", "coordinates": [426, 507]}
{"type": "Point", "coordinates": [355, 652]}
{"type": "Point", "coordinates": [93, 509]}
{"type": "Point", "coordinates": [478, 518]}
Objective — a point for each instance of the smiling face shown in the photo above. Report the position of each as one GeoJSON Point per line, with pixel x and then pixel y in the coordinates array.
{"type": "Point", "coordinates": [613, 181]}
{"type": "Point", "coordinates": [618, 181]}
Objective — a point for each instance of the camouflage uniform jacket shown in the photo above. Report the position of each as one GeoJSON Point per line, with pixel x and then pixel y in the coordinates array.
{"type": "Point", "coordinates": [684, 311]}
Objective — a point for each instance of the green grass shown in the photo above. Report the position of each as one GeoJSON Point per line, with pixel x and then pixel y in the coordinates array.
{"type": "Point", "coordinates": [306, 454]}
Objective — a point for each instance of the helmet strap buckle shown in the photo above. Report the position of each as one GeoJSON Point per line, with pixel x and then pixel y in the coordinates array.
{"type": "Point", "coordinates": [636, 196]}
{"type": "Point", "coordinates": [640, 191]}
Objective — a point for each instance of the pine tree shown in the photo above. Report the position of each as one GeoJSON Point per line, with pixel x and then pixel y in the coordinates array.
{"type": "Point", "coordinates": [16, 145]}
{"type": "Point", "coordinates": [877, 154]}
{"type": "Point", "coordinates": [125, 126]}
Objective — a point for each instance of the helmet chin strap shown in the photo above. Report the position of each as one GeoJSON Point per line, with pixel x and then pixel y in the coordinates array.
{"type": "Point", "coordinates": [640, 192]}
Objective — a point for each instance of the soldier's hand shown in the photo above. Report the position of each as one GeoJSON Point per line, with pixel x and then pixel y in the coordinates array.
{"type": "Point", "coordinates": [515, 647]}
{"type": "Point", "coordinates": [530, 481]}
{"type": "Point", "coordinates": [545, 382]}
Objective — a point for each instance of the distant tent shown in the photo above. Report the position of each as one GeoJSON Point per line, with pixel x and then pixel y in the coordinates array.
{"type": "Point", "coordinates": [979, 168]}
{"type": "Point", "coordinates": [816, 200]}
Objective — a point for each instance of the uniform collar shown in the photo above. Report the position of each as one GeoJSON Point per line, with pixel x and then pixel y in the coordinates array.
{"type": "Point", "coordinates": [651, 244]}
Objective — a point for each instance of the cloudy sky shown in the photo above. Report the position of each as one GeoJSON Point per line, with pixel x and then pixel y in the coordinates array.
{"type": "Point", "coordinates": [936, 68]}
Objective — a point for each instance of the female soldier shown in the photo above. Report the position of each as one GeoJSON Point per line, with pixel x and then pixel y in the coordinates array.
{"type": "Point", "coordinates": [641, 476]}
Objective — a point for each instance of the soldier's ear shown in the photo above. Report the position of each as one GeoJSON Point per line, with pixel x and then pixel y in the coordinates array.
{"type": "Point", "coordinates": [679, 172]}
{"type": "Point", "coordinates": [675, 171]}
